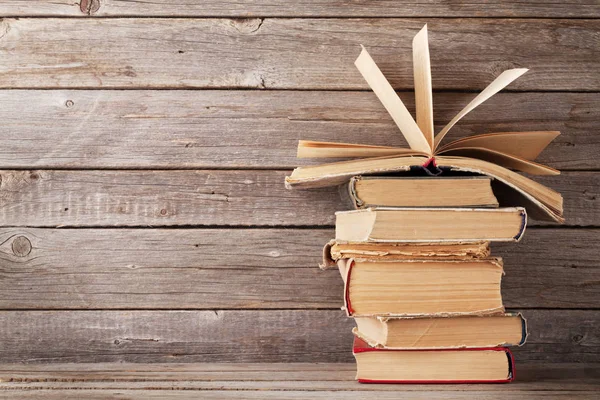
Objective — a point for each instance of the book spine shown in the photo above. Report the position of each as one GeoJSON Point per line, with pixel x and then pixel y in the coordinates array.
{"type": "Point", "coordinates": [524, 332]}
{"type": "Point", "coordinates": [523, 215]}
{"type": "Point", "coordinates": [347, 304]}
{"type": "Point", "coordinates": [327, 262]}
{"type": "Point", "coordinates": [348, 194]}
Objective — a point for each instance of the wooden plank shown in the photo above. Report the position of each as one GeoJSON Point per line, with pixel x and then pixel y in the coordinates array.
{"type": "Point", "coordinates": [253, 268]}
{"type": "Point", "coordinates": [269, 376]}
{"type": "Point", "coordinates": [96, 394]}
{"type": "Point", "coordinates": [244, 336]}
{"type": "Point", "coordinates": [50, 198]}
{"type": "Point", "coordinates": [292, 53]}
{"type": "Point", "coordinates": [304, 8]}
{"type": "Point", "coordinates": [210, 129]}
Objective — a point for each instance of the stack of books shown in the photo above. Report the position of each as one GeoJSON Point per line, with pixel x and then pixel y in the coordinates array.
{"type": "Point", "coordinates": [420, 281]}
{"type": "Point", "coordinates": [419, 278]}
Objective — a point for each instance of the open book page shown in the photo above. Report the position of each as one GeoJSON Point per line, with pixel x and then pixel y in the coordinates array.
{"type": "Point", "coordinates": [548, 202]}
{"type": "Point", "coordinates": [392, 103]}
{"type": "Point", "coordinates": [313, 149]}
{"type": "Point", "coordinates": [423, 90]}
{"type": "Point", "coordinates": [333, 174]}
{"type": "Point", "coordinates": [527, 145]}
{"type": "Point", "coordinates": [497, 85]}
{"type": "Point", "coordinates": [503, 159]}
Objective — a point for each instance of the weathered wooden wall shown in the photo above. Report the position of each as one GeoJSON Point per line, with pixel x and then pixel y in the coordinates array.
{"type": "Point", "coordinates": [143, 147]}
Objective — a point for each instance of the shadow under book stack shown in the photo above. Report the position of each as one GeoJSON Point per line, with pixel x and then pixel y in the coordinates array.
{"type": "Point", "coordinates": [420, 281]}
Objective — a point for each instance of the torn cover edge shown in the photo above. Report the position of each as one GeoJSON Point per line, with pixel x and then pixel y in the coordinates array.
{"type": "Point", "coordinates": [329, 261]}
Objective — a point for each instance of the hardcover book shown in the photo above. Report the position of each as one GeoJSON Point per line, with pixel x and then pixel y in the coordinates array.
{"type": "Point", "coordinates": [386, 224]}
{"type": "Point", "coordinates": [480, 365]}
{"type": "Point", "coordinates": [441, 332]}
{"type": "Point", "coordinates": [410, 191]}
{"type": "Point", "coordinates": [336, 250]}
{"type": "Point", "coordinates": [422, 288]}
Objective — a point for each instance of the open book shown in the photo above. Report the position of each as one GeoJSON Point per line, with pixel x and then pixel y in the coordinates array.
{"type": "Point", "coordinates": [493, 154]}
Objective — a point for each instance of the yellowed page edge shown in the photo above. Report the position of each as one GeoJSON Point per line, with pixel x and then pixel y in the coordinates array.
{"type": "Point", "coordinates": [314, 149]}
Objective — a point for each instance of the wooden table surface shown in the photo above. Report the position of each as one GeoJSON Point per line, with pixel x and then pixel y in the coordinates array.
{"type": "Point", "coordinates": [143, 216]}
{"type": "Point", "coordinates": [274, 381]}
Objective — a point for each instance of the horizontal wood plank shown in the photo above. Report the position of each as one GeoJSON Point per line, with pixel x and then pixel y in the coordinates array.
{"type": "Point", "coordinates": [244, 336]}
{"type": "Point", "coordinates": [252, 268]}
{"type": "Point", "coordinates": [292, 53]}
{"type": "Point", "coordinates": [50, 198]}
{"type": "Point", "coordinates": [259, 129]}
{"type": "Point", "coordinates": [96, 394]}
{"type": "Point", "coordinates": [555, 377]}
{"type": "Point", "coordinates": [304, 8]}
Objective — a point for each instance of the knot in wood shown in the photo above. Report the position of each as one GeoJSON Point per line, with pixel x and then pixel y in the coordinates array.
{"type": "Point", "coordinates": [247, 25]}
{"type": "Point", "coordinates": [21, 246]}
{"type": "Point", "coordinates": [89, 7]}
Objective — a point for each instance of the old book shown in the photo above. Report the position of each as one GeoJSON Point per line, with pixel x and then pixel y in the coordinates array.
{"type": "Point", "coordinates": [494, 154]}
{"type": "Point", "coordinates": [481, 365]}
{"type": "Point", "coordinates": [422, 287]}
{"type": "Point", "coordinates": [430, 224]}
{"type": "Point", "coordinates": [384, 191]}
{"type": "Point", "coordinates": [459, 332]}
{"type": "Point", "coordinates": [335, 250]}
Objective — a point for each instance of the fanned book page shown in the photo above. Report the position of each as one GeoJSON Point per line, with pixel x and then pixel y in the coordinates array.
{"type": "Point", "coordinates": [496, 155]}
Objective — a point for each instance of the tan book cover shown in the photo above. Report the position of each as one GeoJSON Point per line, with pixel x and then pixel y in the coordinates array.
{"type": "Point", "coordinates": [395, 224]}
{"type": "Point", "coordinates": [418, 191]}
{"type": "Point", "coordinates": [508, 329]}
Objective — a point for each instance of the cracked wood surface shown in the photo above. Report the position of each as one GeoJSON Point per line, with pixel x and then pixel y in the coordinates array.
{"type": "Point", "coordinates": [267, 380]}
{"type": "Point", "coordinates": [55, 198]}
{"type": "Point", "coordinates": [245, 336]}
{"type": "Point", "coordinates": [249, 268]}
{"type": "Point", "coordinates": [230, 129]}
{"type": "Point", "coordinates": [293, 53]}
{"type": "Point", "coordinates": [301, 8]}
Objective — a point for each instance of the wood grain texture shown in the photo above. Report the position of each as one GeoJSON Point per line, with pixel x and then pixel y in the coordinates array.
{"type": "Point", "coordinates": [303, 380]}
{"type": "Point", "coordinates": [51, 198]}
{"type": "Point", "coordinates": [292, 53]}
{"type": "Point", "coordinates": [249, 268]}
{"type": "Point", "coordinates": [244, 336]}
{"type": "Point", "coordinates": [302, 8]}
{"type": "Point", "coordinates": [269, 376]}
{"type": "Point", "coordinates": [259, 129]}
{"type": "Point", "coordinates": [129, 394]}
